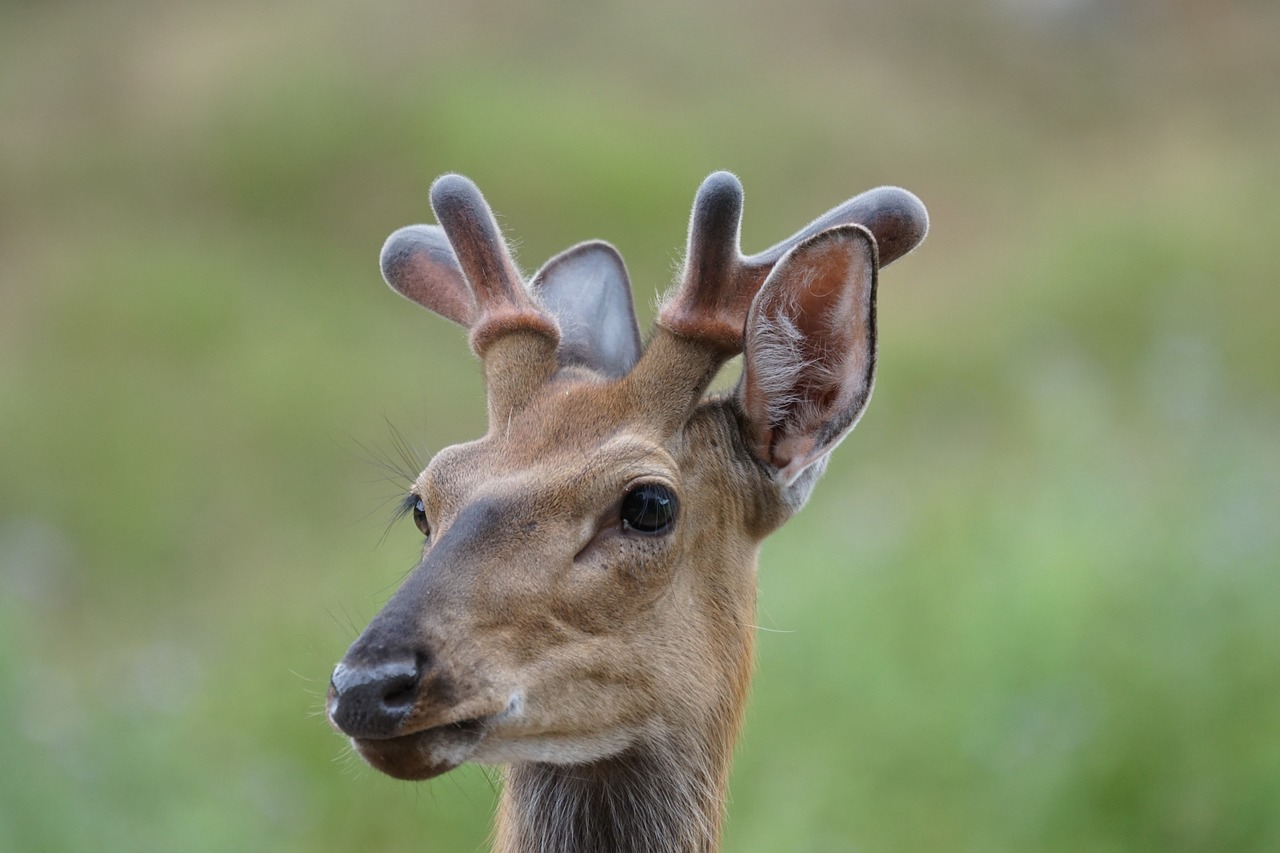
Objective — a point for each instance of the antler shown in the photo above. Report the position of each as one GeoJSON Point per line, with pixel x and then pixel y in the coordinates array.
{"type": "Point", "coordinates": [719, 283]}
{"type": "Point", "coordinates": [702, 325]}
{"type": "Point", "coordinates": [463, 271]}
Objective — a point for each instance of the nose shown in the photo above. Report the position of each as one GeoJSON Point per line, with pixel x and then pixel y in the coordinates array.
{"type": "Point", "coordinates": [372, 700]}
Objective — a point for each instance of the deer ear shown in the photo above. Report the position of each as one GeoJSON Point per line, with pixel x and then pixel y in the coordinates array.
{"type": "Point", "coordinates": [419, 264]}
{"type": "Point", "coordinates": [810, 353]}
{"type": "Point", "coordinates": [587, 289]}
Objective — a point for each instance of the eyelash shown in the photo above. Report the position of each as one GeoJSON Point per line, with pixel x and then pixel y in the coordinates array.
{"type": "Point", "coordinates": [404, 506]}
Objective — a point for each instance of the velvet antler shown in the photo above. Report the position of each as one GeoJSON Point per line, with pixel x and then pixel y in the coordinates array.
{"type": "Point", "coordinates": [462, 270]}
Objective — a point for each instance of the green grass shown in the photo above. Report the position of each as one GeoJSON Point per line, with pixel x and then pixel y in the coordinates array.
{"type": "Point", "coordinates": [1032, 606]}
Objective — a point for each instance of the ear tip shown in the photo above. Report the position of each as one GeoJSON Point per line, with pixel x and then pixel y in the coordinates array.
{"type": "Point", "coordinates": [607, 253]}
{"type": "Point", "coordinates": [852, 232]}
{"type": "Point", "coordinates": [599, 247]}
{"type": "Point", "coordinates": [587, 251]}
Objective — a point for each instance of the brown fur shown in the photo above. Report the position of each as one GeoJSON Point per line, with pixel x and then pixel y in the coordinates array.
{"type": "Point", "coordinates": [607, 667]}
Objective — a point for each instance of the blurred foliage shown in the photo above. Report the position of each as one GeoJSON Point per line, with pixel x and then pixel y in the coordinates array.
{"type": "Point", "coordinates": [1033, 606]}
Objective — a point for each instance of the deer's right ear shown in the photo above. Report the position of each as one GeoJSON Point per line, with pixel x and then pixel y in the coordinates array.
{"type": "Point", "coordinates": [809, 360]}
{"type": "Point", "coordinates": [587, 289]}
{"type": "Point", "coordinates": [419, 264]}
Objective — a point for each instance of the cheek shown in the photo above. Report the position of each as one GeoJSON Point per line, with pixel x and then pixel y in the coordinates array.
{"type": "Point", "coordinates": [617, 581]}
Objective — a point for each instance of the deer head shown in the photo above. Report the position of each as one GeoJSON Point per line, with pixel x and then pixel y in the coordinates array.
{"type": "Point", "coordinates": [586, 591]}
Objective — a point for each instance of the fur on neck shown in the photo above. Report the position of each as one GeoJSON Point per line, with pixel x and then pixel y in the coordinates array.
{"type": "Point", "coordinates": [657, 796]}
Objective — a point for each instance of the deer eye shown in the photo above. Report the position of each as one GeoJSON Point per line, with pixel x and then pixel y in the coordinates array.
{"type": "Point", "coordinates": [420, 517]}
{"type": "Point", "coordinates": [649, 508]}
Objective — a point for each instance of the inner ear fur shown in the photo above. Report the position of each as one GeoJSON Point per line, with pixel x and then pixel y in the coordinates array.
{"type": "Point", "coordinates": [810, 349]}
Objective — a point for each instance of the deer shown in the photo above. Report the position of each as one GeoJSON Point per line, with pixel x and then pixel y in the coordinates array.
{"type": "Point", "coordinates": [583, 610]}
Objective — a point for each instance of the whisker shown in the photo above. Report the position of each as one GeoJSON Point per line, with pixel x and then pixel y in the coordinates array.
{"type": "Point", "coordinates": [413, 459]}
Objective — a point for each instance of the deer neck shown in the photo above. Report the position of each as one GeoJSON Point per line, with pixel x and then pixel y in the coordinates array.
{"type": "Point", "coordinates": [660, 796]}
{"type": "Point", "coordinates": [666, 793]}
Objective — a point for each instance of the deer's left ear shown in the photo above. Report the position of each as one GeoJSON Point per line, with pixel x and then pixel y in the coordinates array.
{"type": "Point", "coordinates": [810, 355]}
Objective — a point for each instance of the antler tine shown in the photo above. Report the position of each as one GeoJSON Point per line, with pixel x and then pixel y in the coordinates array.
{"type": "Point", "coordinates": [419, 264]}
{"type": "Point", "coordinates": [709, 306]}
{"type": "Point", "coordinates": [503, 304]}
{"type": "Point", "coordinates": [514, 337]}
{"type": "Point", "coordinates": [700, 327]}
{"type": "Point", "coordinates": [894, 216]}
{"type": "Point", "coordinates": [719, 284]}
{"type": "Point", "coordinates": [703, 324]}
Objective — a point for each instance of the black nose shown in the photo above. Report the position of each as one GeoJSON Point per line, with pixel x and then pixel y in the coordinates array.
{"type": "Point", "coordinates": [371, 701]}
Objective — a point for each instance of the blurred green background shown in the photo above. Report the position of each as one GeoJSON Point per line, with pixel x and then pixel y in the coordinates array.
{"type": "Point", "coordinates": [1034, 605]}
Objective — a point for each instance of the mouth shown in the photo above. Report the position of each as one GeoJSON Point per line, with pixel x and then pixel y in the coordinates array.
{"type": "Point", "coordinates": [424, 754]}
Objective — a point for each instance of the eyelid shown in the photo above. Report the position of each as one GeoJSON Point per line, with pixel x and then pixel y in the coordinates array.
{"type": "Point", "coordinates": [650, 479]}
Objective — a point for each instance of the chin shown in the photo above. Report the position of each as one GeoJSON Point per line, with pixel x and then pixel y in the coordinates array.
{"type": "Point", "coordinates": [421, 755]}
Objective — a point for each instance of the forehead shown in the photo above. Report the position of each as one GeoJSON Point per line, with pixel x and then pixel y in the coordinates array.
{"type": "Point", "coordinates": [570, 430]}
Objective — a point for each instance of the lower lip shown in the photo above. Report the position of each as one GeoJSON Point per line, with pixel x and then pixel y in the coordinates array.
{"type": "Point", "coordinates": [408, 756]}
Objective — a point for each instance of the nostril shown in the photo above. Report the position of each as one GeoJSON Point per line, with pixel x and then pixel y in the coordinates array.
{"type": "Point", "coordinates": [373, 700]}
{"type": "Point", "coordinates": [400, 691]}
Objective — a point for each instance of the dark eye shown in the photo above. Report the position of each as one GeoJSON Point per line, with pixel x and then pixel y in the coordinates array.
{"type": "Point", "coordinates": [420, 517]}
{"type": "Point", "coordinates": [649, 508]}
